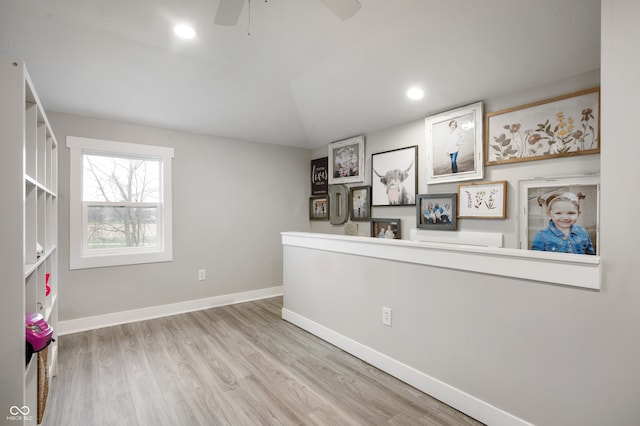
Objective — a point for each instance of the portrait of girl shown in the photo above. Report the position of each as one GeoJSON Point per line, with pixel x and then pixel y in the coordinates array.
{"type": "Point", "coordinates": [562, 233]}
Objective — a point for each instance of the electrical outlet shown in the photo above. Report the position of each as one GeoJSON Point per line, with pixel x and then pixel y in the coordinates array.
{"type": "Point", "coordinates": [202, 274]}
{"type": "Point", "coordinates": [386, 316]}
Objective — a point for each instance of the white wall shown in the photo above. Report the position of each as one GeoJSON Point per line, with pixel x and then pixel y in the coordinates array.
{"type": "Point", "coordinates": [413, 133]}
{"type": "Point", "coordinates": [548, 354]}
{"type": "Point", "coordinates": [231, 200]}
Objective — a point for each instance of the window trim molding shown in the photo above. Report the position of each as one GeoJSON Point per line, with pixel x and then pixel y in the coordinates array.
{"type": "Point", "coordinates": [79, 146]}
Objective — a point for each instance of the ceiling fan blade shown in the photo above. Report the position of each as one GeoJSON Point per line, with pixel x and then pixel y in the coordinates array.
{"type": "Point", "coordinates": [344, 9]}
{"type": "Point", "coordinates": [228, 12]}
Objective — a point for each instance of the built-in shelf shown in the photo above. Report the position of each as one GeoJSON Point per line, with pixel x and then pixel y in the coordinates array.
{"type": "Point", "coordinates": [28, 254]}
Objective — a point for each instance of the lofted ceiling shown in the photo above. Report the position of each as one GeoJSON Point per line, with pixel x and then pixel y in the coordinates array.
{"type": "Point", "coordinates": [303, 77]}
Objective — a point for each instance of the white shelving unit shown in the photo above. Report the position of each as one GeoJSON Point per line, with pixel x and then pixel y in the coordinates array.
{"type": "Point", "coordinates": [29, 216]}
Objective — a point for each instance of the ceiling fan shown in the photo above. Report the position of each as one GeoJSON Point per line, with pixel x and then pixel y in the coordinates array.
{"type": "Point", "coordinates": [229, 10]}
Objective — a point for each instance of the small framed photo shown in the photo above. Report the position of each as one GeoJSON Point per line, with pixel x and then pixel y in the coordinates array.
{"type": "Point", "coordinates": [454, 145]}
{"type": "Point", "coordinates": [558, 127]}
{"type": "Point", "coordinates": [486, 200]}
{"type": "Point", "coordinates": [437, 211]}
{"type": "Point", "coordinates": [360, 203]}
{"type": "Point", "coordinates": [346, 161]}
{"type": "Point", "coordinates": [394, 178]}
{"type": "Point", "coordinates": [319, 207]}
{"type": "Point", "coordinates": [560, 214]}
{"type": "Point", "coordinates": [386, 228]}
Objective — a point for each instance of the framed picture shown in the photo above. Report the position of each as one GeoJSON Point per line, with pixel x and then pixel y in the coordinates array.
{"type": "Point", "coordinates": [360, 203]}
{"type": "Point", "coordinates": [558, 127]}
{"type": "Point", "coordinates": [560, 214]}
{"type": "Point", "coordinates": [320, 176]}
{"type": "Point", "coordinates": [319, 207]}
{"type": "Point", "coordinates": [487, 200]}
{"type": "Point", "coordinates": [386, 228]}
{"type": "Point", "coordinates": [437, 211]}
{"type": "Point", "coordinates": [346, 161]}
{"type": "Point", "coordinates": [394, 178]}
{"type": "Point", "coordinates": [454, 145]}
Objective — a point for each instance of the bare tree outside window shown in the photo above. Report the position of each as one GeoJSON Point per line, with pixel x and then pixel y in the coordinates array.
{"type": "Point", "coordinates": [122, 200]}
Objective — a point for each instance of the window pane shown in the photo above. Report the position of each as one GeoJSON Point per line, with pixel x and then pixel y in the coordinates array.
{"type": "Point", "coordinates": [117, 179]}
{"type": "Point", "coordinates": [114, 227]}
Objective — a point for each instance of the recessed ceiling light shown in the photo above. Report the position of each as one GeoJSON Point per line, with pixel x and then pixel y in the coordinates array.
{"type": "Point", "coordinates": [184, 31]}
{"type": "Point", "coordinates": [415, 93]}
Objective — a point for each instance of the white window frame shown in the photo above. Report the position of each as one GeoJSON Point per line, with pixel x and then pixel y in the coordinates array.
{"type": "Point", "coordinates": [79, 255]}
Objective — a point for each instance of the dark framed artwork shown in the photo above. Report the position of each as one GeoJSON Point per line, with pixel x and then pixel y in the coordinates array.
{"type": "Point", "coordinates": [394, 177]}
{"type": "Point", "coordinates": [437, 211]}
{"type": "Point", "coordinates": [320, 176]}
{"type": "Point", "coordinates": [386, 228]}
{"type": "Point", "coordinates": [454, 145]}
{"type": "Point", "coordinates": [558, 127]}
{"type": "Point", "coordinates": [560, 214]}
{"type": "Point", "coordinates": [360, 203]}
{"type": "Point", "coordinates": [346, 161]}
{"type": "Point", "coordinates": [319, 207]}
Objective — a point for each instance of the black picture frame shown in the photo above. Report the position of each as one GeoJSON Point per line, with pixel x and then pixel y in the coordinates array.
{"type": "Point", "coordinates": [385, 228]}
{"type": "Point", "coordinates": [320, 176]}
{"type": "Point", "coordinates": [360, 203]}
{"type": "Point", "coordinates": [394, 177]}
{"type": "Point", "coordinates": [319, 207]}
{"type": "Point", "coordinates": [437, 211]}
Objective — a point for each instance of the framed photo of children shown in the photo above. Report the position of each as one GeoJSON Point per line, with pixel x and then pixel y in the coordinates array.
{"type": "Point", "coordinates": [394, 178]}
{"type": "Point", "coordinates": [436, 212]}
{"type": "Point", "coordinates": [557, 127]}
{"type": "Point", "coordinates": [319, 207]}
{"type": "Point", "coordinates": [346, 161]}
{"type": "Point", "coordinates": [386, 228]}
{"type": "Point", "coordinates": [560, 214]}
{"type": "Point", "coordinates": [486, 200]}
{"type": "Point", "coordinates": [454, 145]}
{"type": "Point", "coordinates": [360, 203]}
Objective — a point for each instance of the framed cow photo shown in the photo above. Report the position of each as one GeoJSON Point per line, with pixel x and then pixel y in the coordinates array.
{"type": "Point", "coordinates": [394, 177]}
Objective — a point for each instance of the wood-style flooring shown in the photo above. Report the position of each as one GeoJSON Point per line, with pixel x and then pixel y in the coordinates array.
{"type": "Point", "coordinates": [232, 365]}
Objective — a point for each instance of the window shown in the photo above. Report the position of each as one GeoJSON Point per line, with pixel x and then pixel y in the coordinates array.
{"type": "Point", "coordinates": [120, 203]}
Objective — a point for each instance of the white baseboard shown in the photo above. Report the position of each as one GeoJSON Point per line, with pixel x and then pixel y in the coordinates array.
{"type": "Point", "coordinates": [448, 394]}
{"type": "Point", "coordinates": [116, 318]}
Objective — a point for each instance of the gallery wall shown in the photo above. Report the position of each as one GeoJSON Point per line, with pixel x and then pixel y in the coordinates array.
{"type": "Point", "coordinates": [548, 354]}
{"type": "Point", "coordinates": [231, 200]}
{"type": "Point", "coordinates": [413, 133]}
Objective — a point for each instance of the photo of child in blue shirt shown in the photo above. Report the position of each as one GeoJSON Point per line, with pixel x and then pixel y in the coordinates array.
{"type": "Point", "coordinates": [563, 235]}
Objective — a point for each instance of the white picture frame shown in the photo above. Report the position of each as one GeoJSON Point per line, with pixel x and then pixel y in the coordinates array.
{"type": "Point", "coordinates": [346, 161]}
{"type": "Point", "coordinates": [531, 215]}
{"type": "Point", "coordinates": [468, 164]}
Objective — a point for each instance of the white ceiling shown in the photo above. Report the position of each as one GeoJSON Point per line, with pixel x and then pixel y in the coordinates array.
{"type": "Point", "coordinates": [303, 77]}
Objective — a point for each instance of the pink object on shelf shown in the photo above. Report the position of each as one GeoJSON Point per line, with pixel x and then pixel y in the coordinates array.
{"type": "Point", "coordinates": [46, 285]}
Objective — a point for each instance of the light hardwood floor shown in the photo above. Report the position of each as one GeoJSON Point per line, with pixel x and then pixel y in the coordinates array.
{"type": "Point", "coordinates": [233, 365]}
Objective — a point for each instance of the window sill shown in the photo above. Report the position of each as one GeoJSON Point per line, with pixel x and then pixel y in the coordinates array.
{"type": "Point", "coordinates": [86, 262]}
{"type": "Point", "coordinates": [551, 268]}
